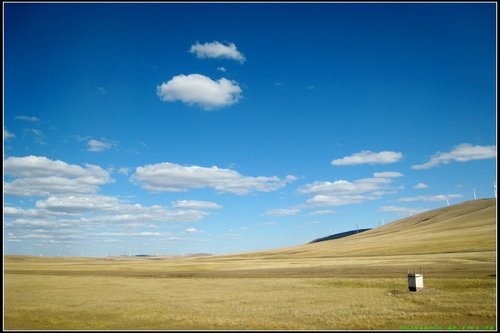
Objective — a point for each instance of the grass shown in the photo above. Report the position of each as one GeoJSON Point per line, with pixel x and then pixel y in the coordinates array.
{"type": "Point", "coordinates": [358, 282]}
{"type": "Point", "coordinates": [95, 302]}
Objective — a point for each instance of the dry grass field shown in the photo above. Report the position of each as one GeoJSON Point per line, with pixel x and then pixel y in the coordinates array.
{"type": "Point", "coordinates": [357, 282]}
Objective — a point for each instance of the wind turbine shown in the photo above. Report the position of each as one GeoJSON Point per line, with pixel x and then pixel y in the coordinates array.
{"type": "Point", "coordinates": [474, 189]}
{"type": "Point", "coordinates": [447, 202]}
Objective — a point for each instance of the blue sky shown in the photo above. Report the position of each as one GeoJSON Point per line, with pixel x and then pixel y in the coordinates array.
{"type": "Point", "coordinates": [170, 129]}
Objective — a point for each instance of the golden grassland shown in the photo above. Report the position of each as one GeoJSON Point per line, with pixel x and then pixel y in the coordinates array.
{"type": "Point", "coordinates": [357, 282]}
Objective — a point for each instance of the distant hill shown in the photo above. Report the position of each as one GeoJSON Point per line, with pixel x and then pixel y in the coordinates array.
{"type": "Point", "coordinates": [339, 235]}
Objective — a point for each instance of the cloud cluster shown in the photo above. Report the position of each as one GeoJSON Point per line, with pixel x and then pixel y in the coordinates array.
{"type": "Point", "coordinates": [38, 175]}
{"type": "Point", "coordinates": [201, 90]}
{"type": "Point", "coordinates": [171, 177]}
{"type": "Point", "coordinates": [198, 89]}
{"type": "Point", "coordinates": [63, 219]}
{"type": "Point", "coordinates": [217, 50]}
{"type": "Point", "coordinates": [72, 210]}
{"type": "Point", "coordinates": [343, 192]}
{"type": "Point", "coordinates": [462, 153]}
{"type": "Point", "coordinates": [369, 157]}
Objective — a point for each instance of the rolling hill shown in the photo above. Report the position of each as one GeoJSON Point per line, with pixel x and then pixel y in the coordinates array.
{"type": "Point", "coordinates": [466, 227]}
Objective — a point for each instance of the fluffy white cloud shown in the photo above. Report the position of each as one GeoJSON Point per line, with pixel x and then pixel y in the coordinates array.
{"type": "Point", "coordinates": [170, 177]}
{"type": "Point", "coordinates": [343, 192]}
{"type": "Point", "coordinates": [97, 146]}
{"type": "Point", "coordinates": [199, 89]}
{"type": "Point", "coordinates": [217, 50]}
{"type": "Point", "coordinates": [388, 174]}
{"type": "Point", "coordinates": [38, 175]}
{"type": "Point", "coordinates": [462, 153]}
{"type": "Point", "coordinates": [322, 212]}
{"type": "Point", "coordinates": [432, 198]}
{"type": "Point", "coordinates": [345, 187]}
{"type": "Point", "coordinates": [420, 186]}
{"type": "Point", "coordinates": [194, 204]}
{"type": "Point", "coordinates": [368, 157]}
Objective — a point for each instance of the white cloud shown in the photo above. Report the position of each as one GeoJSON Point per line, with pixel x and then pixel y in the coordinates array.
{"type": "Point", "coordinates": [97, 146]}
{"type": "Point", "coordinates": [335, 200]}
{"type": "Point", "coordinates": [342, 192]}
{"type": "Point", "coordinates": [170, 177]}
{"type": "Point", "coordinates": [432, 198]}
{"type": "Point", "coordinates": [345, 187]}
{"type": "Point", "coordinates": [192, 230]}
{"type": "Point", "coordinates": [322, 212]}
{"type": "Point", "coordinates": [217, 50]}
{"type": "Point", "coordinates": [123, 171]}
{"type": "Point", "coordinates": [462, 153]}
{"type": "Point", "coordinates": [8, 135]}
{"type": "Point", "coordinates": [29, 119]}
{"type": "Point", "coordinates": [388, 174]}
{"type": "Point", "coordinates": [282, 212]}
{"type": "Point", "coordinates": [194, 204]}
{"type": "Point", "coordinates": [38, 175]}
{"type": "Point", "coordinates": [19, 212]}
{"type": "Point", "coordinates": [222, 69]}
{"type": "Point", "coordinates": [420, 186]}
{"type": "Point", "coordinates": [78, 204]}
{"type": "Point", "coordinates": [368, 157]}
{"type": "Point", "coordinates": [199, 89]}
